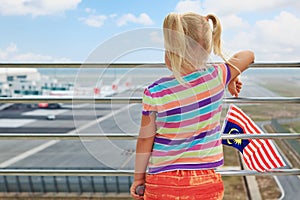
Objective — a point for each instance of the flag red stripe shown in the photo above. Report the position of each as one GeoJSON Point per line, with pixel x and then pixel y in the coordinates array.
{"type": "Point", "coordinates": [268, 152]}
{"type": "Point", "coordinates": [247, 158]}
{"type": "Point", "coordinates": [246, 118]}
{"type": "Point", "coordinates": [275, 154]}
{"type": "Point", "coordinates": [232, 120]}
{"type": "Point", "coordinates": [255, 164]}
{"type": "Point", "coordinates": [244, 126]}
{"type": "Point", "coordinates": [265, 160]}
{"type": "Point", "coordinates": [247, 124]}
{"type": "Point", "coordinates": [249, 152]}
{"type": "Point", "coordinates": [258, 162]}
{"type": "Point", "coordinates": [267, 145]}
{"type": "Point", "coordinates": [247, 162]}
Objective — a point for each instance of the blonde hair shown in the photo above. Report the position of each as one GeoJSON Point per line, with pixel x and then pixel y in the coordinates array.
{"type": "Point", "coordinates": [189, 40]}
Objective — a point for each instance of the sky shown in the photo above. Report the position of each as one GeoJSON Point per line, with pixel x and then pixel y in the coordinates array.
{"type": "Point", "coordinates": [72, 30]}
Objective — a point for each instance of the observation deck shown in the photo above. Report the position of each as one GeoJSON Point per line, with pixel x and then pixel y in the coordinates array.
{"type": "Point", "coordinates": [87, 149]}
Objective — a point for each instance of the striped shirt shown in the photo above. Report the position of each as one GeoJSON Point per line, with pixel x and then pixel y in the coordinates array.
{"type": "Point", "coordinates": [187, 120]}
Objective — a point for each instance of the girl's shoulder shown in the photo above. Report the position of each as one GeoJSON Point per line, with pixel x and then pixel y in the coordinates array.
{"type": "Point", "coordinates": [161, 82]}
{"type": "Point", "coordinates": [219, 66]}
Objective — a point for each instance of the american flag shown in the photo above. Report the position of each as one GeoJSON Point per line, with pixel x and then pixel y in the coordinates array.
{"type": "Point", "coordinates": [258, 154]}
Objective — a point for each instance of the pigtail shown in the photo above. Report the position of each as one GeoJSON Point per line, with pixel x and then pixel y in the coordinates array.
{"type": "Point", "coordinates": [217, 30]}
{"type": "Point", "coordinates": [216, 34]}
{"type": "Point", "coordinates": [175, 43]}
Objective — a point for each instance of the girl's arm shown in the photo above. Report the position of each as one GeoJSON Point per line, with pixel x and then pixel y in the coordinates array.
{"type": "Point", "coordinates": [143, 151]}
{"type": "Point", "coordinates": [235, 86]}
{"type": "Point", "coordinates": [238, 63]}
{"type": "Point", "coordinates": [240, 60]}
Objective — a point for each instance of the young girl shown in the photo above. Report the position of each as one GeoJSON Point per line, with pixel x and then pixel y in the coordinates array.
{"type": "Point", "coordinates": [179, 139]}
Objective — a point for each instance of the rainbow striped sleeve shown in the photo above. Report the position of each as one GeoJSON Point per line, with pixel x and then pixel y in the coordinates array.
{"type": "Point", "coordinates": [224, 68]}
{"type": "Point", "coordinates": [148, 103]}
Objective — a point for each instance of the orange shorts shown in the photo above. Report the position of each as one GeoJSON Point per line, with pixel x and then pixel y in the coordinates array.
{"type": "Point", "coordinates": [184, 184]}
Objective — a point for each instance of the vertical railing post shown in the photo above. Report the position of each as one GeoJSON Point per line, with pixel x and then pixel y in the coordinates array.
{"type": "Point", "coordinates": [68, 184]}
{"type": "Point", "coordinates": [6, 184]}
{"type": "Point", "coordinates": [129, 182]}
{"type": "Point", "coordinates": [105, 184]}
{"type": "Point", "coordinates": [55, 184]}
{"type": "Point", "coordinates": [18, 184]}
{"type": "Point", "coordinates": [117, 185]}
{"type": "Point", "coordinates": [43, 185]}
{"type": "Point", "coordinates": [31, 188]}
{"type": "Point", "coordinates": [93, 184]}
{"type": "Point", "coordinates": [79, 185]}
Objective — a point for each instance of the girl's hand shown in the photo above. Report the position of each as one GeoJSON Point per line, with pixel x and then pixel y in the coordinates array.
{"type": "Point", "coordinates": [235, 86]}
{"type": "Point", "coordinates": [133, 188]}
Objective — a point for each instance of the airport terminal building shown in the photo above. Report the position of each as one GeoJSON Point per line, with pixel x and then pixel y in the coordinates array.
{"type": "Point", "coordinates": [16, 82]}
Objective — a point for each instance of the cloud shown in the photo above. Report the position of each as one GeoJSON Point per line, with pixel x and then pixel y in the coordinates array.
{"type": "Point", "coordinates": [143, 19]}
{"type": "Point", "coordinates": [276, 39]}
{"type": "Point", "coordinates": [98, 20]}
{"type": "Point", "coordinates": [188, 6]}
{"type": "Point", "coordinates": [232, 21]}
{"type": "Point", "coordinates": [11, 54]}
{"type": "Point", "coordinates": [228, 7]}
{"type": "Point", "coordinates": [283, 29]}
{"type": "Point", "coordinates": [229, 21]}
{"type": "Point", "coordinates": [271, 38]}
{"type": "Point", "coordinates": [36, 7]}
{"type": "Point", "coordinates": [225, 7]}
{"type": "Point", "coordinates": [94, 20]}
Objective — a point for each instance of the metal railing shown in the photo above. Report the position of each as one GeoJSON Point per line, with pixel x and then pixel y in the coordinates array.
{"type": "Point", "coordinates": [127, 65]}
{"type": "Point", "coordinates": [128, 136]}
{"type": "Point", "coordinates": [40, 172]}
{"type": "Point", "coordinates": [94, 172]}
{"type": "Point", "coordinates": [125, 100]}
{"type": "Point", "coordinates": [131, 136]}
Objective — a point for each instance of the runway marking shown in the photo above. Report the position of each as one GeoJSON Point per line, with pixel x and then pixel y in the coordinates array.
{"type": "Point", "coordinates": [41, 147]}
{"type": "Point", "coordinates": [75, 105]}
{"type": "Point", "coordinates": [14, 123]}
{"type": "Point", "coordinates": [27, 153]}
{"type": "Point", "coordinates": [127, 160]}
{"type": "Point", "coordinates": [4, 106]}
{"type": "Point", "coordinates": [45, 112]}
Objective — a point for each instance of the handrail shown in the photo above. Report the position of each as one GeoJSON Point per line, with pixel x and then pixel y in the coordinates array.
{"type": "Point", "coordinates": [126, 100]}
{"type": "Point", "coordinates": [131, 136]}
{"type": "Point", "coordinates": [127, 65]}
{"type": "Point", "coordinates": [119, 100]}
{"type": "Point", "coordinates": [94, 172]}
